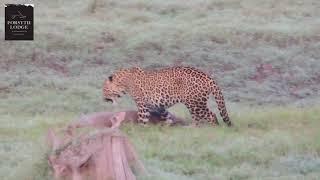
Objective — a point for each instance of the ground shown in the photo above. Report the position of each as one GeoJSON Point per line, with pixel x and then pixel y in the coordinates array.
{"type": "Point", "coordinates": [264, 55]}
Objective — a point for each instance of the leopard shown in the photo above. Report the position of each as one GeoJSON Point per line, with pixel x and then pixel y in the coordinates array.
{"type": "Point", "coordinates": [156, 90]}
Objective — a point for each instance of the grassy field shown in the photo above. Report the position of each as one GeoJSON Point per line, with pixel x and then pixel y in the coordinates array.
{"type": "Point", "coordinates": [267, 143]}
{"type": "Point", "coordinates": [264, 55]}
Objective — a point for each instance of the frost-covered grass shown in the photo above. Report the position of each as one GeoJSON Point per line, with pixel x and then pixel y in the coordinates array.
{"type": "Point", "coordinates": [262, 53]}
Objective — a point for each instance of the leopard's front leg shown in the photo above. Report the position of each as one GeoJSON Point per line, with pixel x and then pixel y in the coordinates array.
{"type": "Point", "coordinates": [143, 113]}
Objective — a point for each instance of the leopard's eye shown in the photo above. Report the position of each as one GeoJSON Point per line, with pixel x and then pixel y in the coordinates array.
{"type": "Point", "coordinates": [110, 78]}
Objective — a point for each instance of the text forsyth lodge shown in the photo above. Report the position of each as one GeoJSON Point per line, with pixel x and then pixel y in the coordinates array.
{"type": "Point", "coordinates": [18, 24]}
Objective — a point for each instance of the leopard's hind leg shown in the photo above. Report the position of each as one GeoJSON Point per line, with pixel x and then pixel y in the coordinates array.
{"type": "Point", "coordinates": [209, 115]}
{"type": "Point", "coordinates": [201, 112]}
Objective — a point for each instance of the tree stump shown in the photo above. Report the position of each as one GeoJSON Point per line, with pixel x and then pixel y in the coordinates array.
{"type": "Point", "coordinates": [104, 155]}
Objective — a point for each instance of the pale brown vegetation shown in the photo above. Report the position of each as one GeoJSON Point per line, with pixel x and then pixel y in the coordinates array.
{"type": "Point", "coordinates": [105, 155]}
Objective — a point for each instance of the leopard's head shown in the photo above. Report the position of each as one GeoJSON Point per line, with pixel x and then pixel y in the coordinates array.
{"type": "Point", "coordinates": [118, 83]}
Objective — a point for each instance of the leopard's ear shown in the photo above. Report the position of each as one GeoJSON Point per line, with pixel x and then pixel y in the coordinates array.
{"type": "Point", "coordinates": [136, 69]}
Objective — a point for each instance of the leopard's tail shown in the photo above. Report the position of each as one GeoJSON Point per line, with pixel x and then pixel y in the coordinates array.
{"type": "Point", "coordinates": [216, 92]}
